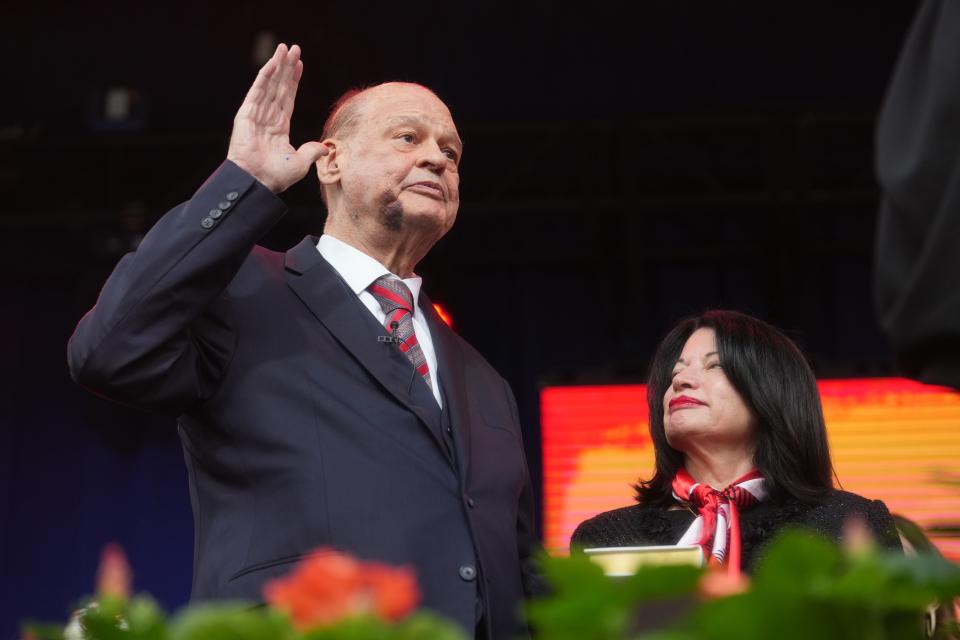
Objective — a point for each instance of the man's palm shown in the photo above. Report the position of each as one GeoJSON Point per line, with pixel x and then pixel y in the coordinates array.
{"type": "Point", "coordinates": [260, 142]}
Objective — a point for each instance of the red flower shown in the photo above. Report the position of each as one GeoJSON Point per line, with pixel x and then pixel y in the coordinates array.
{"type": "Point", "coordinates": [327, 586]}
{"type": "Point", "coordinates": [395, 592]}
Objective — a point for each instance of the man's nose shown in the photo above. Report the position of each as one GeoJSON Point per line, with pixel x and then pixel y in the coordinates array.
{"type": "Point", "coordinates": [433, 157]}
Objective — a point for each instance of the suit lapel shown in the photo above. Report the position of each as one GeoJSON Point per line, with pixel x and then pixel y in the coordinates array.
{"type": "Point", "coordinates": [453, 369]}
{"type": "Point", "coordinates": [334, 304]}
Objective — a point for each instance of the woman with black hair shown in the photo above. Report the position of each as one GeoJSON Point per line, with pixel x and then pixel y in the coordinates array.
{"type": "Point", "coordinates": [740, 445]}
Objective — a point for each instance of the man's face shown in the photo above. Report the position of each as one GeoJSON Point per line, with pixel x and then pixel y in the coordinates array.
{"type": "Point", "coordinates": [400, 165]}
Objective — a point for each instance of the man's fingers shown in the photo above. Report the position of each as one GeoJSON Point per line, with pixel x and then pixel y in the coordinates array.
{"type": "Point", "coordinates": [287, 91]}
{"type": "Point", "coordinates": [270, 67]}
{"type": "Point", "coordinates": [286, 60]}
{"type": "Point", "coordinates": [289, 79]}
{"type": "Point", "coordinates": [260, 90]}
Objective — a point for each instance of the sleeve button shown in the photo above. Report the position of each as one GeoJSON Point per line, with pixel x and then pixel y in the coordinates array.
{"type": "Point", "coordinates": [206, 223]}
{"type": "Point", "coordinates": [233, 195]}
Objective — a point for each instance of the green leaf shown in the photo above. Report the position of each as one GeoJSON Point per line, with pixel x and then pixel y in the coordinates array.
{"type": "Point", "coordinates": [102, 620]}
{"type": "Point", "coordinates": [420, 626]}
{"type": "Point", "coordinates": [796, 561]}
{"type": "Point", "coordinates": [144, 619]}
{"type": "Point", "coordinates": [571, 573]}
{"type": "Point", "coordinates": [363, 627]}
{"type": "Point", "coordinates": [427, 626]}
{"type": "Point", "coordinates": [893, 582]}
{"type": "Point", "coordinates": [669, 634]}
{"type": "Point", "coordinates": [658, 583]}
{"type": "Point", "coordinates": [229, 621]}
{"type": "Point", "coordinates": [586, 604]}
{"type": "Point", "coordinates": [41, 630]}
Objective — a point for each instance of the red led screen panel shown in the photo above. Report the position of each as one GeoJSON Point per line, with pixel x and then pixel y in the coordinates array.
{"type": "Point", "coordinates": [890, 438]}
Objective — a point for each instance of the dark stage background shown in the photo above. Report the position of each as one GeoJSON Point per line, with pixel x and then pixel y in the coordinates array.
{"type": "Point", "coordinates": [622, 168]}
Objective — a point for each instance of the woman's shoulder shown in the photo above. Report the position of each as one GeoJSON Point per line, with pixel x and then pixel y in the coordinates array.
{"type": "Point", "coordinates": [630, 526]}
{"type": "Point", "coordinates": [831, 514]}
{"type": "Point", "coordinates": [847, 499]}
{"type": "Point", "coordinates": [836, 504]}
{"type": "Point", "coordinates": [843, 504]}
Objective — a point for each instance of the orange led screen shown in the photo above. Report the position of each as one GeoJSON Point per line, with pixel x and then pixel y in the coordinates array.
{"type": "Point", "coordinates": [890, 438]}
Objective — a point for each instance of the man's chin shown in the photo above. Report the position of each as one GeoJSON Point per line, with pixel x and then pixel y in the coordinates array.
{"type": "Point", "coordinates": [427, 214]}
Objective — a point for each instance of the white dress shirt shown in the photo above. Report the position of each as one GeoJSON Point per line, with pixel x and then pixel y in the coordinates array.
{"type": "Point", "coordinates": [360, 271]}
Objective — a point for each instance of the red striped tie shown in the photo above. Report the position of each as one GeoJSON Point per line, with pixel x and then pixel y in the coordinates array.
{"type": "Point", "coordinates": [397, 303]}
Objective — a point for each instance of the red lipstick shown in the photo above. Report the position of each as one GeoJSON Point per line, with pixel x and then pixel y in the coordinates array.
{"type": "Point", "coordinates": [685, 401]}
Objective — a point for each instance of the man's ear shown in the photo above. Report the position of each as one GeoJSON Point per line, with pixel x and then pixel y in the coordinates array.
{"type": "Point", "coordinates": [328, 169]}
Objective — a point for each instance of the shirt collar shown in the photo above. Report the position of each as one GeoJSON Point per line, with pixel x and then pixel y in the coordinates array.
{"type": "Point", "coordinates": [358, 269]}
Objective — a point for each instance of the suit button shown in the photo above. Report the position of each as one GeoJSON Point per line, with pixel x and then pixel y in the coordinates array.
{"type": "Point", "coordinates": [471, 503]}
{"type": "Point", "coordinates": [206, 223]}
{"type": "Point", "coordinates": [215, 213]}
{"type": "Point", "coordinates": [468, 572]}
{"type": "Point", "coordinates": [233, 195]}
{"type": "Point", "coordinates": [225, 205]}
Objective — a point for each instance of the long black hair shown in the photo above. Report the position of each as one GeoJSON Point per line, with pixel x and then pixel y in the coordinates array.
{"type": "Point", "coordinates": [775, 381]}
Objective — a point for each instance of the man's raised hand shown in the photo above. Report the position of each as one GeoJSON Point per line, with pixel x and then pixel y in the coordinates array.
{"type": "Point", "coordinates": [260, 142]}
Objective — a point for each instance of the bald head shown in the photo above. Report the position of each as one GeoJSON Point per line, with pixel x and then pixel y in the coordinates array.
{"type": "Point", "coordinates": [346, 112]}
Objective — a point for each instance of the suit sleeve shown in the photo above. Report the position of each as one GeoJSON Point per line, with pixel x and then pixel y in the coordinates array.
{"type": "Point", "coordinates": [918, 228]}
{"type": "Point", "coordinates": [528, 544]}
{"type": "Point", "coordinates": [152, 339]}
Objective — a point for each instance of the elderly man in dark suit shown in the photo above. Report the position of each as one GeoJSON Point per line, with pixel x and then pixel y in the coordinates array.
{"type": "Point", "coordinates": [321, 401]}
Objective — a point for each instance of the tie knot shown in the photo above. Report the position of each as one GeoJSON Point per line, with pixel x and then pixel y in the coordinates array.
{"type": "Point", "coordinates": [392, 294]}
{"type": "Point", "coordinates": [706, 496]}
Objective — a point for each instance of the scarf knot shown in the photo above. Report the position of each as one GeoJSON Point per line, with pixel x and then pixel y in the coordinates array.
{"type": "Point", "coordinates": [717, 526]}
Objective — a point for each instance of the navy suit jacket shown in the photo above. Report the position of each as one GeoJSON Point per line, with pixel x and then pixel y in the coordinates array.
{"type": "Point", "coordinates": [299, 428]}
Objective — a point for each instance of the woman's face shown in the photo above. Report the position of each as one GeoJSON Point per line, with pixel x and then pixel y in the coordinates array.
{"type": "Point", "coordinates": [701, 407]}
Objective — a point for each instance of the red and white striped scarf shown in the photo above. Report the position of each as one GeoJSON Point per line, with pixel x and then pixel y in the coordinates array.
{"type": "Point", "coordinates": [719, 514]}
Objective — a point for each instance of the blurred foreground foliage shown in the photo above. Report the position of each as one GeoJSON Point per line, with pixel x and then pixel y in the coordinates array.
{"type": "Point", "coordinates": [804, 587]}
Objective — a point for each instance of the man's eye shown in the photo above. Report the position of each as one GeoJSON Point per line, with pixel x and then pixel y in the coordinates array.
{"type": "Point", "coordinates": [450, 153]}
{"type": "Point", "coordinates": [407, 137]}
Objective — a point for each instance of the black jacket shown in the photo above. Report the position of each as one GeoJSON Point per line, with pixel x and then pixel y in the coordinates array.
{"type": "Point", "coordinates": [648, 525]}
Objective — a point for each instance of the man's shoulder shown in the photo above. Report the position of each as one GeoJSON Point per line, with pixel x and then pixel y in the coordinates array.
{"type": "Point", "coordinates": [471, 352]}
{"type": "Point", "coordinates": [471, 356]}
{"type": "Point", "coordinates": [259, 264]}
{"type": "Point", "coordinates": [299, 258]}
{"type": "Point", "coordinates": [266, 257]}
